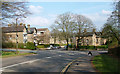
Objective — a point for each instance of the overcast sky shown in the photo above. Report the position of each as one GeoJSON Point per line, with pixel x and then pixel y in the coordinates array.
{"type": "Point", "coordinates": [44, 13]}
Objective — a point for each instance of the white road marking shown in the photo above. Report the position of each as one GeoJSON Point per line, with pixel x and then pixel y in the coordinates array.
{"type": "Point", "coordinates": [60, 55]}
{"type": "Point", "coordinates": [1, 69]}
{"type": "Point", "coordinates": [48, 57]}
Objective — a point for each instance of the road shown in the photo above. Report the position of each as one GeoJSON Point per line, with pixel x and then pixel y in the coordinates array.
{"type": "Point", "coordinates": [44, 61]}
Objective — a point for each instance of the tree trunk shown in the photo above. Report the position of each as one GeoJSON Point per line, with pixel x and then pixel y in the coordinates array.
{"type": "Point", "coordinates": [67, 44]}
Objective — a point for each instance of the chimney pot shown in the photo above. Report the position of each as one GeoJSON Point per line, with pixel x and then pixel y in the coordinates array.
{"type": "Point", "coordinates": [28, 26]}
{"type": "Point", "coordinates": [21, 24]}
{"type": "Point", "coordinates": [9, 25]}
{"type": "Point", "coordinates": [94, 30]}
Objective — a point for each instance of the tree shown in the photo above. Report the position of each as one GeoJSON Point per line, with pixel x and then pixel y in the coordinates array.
{"type": "Point", "coordinates": [12, 10]}
{"type": "Point", "coordinates": [112, 26]}
{"type": "Point", "coordinates": [55, 34]}
{"type": "Point", "coordinates": [82, 23]}
{"type": "Point", "coordinates": [64, 23]}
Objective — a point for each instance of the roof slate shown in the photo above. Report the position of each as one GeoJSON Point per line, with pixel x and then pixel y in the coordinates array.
{"type": "Point", "coordinates": [13, 29]}
{"type": "Point", "coordinates": [42, 29]}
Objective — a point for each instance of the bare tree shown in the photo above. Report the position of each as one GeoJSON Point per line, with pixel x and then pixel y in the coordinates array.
{"type": "Point", "coordinates": [82, 23]}
{"type": "Point", "coordinates": [12, 10]}
{"type": "Point", "coordinates": [64, 24]}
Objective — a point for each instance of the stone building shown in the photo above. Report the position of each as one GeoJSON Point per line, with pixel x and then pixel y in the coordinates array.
{"type": "Point", "coordinates": [43, 36]}
{"type": "Point", "coordinates": [90, 38]}
{"type": "Point", "coordinates": [19, 33]}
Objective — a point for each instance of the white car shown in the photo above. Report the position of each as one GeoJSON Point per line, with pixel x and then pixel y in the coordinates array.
{"type": "Point", "coordinates": [49, 48]}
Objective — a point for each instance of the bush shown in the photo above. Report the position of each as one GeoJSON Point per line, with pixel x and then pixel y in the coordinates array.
{"type": "Point", "coordinates": [102, 46]}
{"type": "Point", "coordinates": [87, 47]}
{"type": "Point", "coordinates": [8, 45]}
{"type": "Point", "coordinates": [30, 45]}
{"type": "Point", "coordinates": [93, 47]}
{"type": "Point", "coordinates": [21, 45]}
{"type": "Point", "coordinates": [40, 46]}
{"type": "Point", "coordinates": [46, 45]}
{"type": "Point", "coordinates": [114, 51]}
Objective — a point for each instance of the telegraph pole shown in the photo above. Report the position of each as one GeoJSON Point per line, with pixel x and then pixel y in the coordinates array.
{"type": "Point", "coordinates": [16, 38]}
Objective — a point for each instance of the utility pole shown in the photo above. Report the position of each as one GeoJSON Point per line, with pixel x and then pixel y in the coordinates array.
{"type": "Point", "coordinates": [16, 38]}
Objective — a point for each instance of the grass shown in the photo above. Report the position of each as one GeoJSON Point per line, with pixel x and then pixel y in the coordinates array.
{"type": "Point", "coordinates": [11, 54]}
{"type": "Point", "coordinates": [106, 63]}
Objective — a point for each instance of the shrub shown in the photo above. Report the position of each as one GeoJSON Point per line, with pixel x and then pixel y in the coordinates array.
{"type": "Point", "coordinates": [93, 47]}
{"type": "Point", "coordinates": [21, 45]}
{"type": "Point", "coordinates": [46, 45]}
{"type": "Point", "coordinates": [87, 47]}
{"type": "Point", "coordinates": [40, 46]}
{"type": "Point", "coordinates": [114, 51]}
{"type": "Point", "coordinates": [30, 45]}
{"type": "Point", "coordinates": [8, 45]}
{"type": "Point", "coordinates": [102, 46]}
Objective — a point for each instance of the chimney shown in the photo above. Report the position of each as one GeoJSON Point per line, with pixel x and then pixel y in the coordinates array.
{"type": "Point", "coordinates": [94, 30]}
{"type": "Point", "coordinates": [24, 25]}
{"type": "Point", "coordinates": [28, 26]}
{"type": "Point", "coordinates": [21, 24]}
{"type": "Point", "coordinates": [9, 25]}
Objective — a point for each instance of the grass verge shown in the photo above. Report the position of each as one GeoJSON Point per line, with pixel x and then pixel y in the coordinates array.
{"type": "Point", "coordinates": [12, 54]}
{"type": "Point", "coordinates": [106, 63]}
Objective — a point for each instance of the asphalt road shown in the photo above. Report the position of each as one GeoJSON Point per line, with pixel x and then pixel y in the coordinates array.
{"type": "Point", "coordinates": [44, 61]}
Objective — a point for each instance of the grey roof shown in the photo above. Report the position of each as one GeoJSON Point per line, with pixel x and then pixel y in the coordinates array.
{"type": "Point", "coordinates": [31, 30]}
{"type": "Point", "coordinates": [90, 34]}
{"type": "Point", "coordinates": [13, 29]}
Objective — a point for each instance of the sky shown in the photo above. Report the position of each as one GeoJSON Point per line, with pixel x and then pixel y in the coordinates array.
{"type": "Point", "coordinates": [44, 13]}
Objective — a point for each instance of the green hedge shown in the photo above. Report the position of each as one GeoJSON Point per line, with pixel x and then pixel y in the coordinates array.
{"type": "Point", "coordinates": [40, 46]}
{"type": "Point", "coordinates": [114, 51]}
{"type": "Point", "coordinates": [102, 46]}
{"type": "Point", "coordinates": [93, 47]}
{"type": "Point", "coordinates": [46, 45]}
{"type": "Point", "coordinates": [29, 45]}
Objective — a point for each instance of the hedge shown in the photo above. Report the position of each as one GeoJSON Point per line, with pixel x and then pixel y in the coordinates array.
{"type": "Point", "coordinates": [29, 45]}
{"type": "Point", "coordinates": [93, 47]}
{"type": "Point", "coordinates": [114, 51]}
{"type": "Point", "coordinates": [46, 45]}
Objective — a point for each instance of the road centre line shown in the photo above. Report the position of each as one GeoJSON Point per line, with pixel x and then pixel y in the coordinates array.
{"type": "Point", "coordinates": [1, 69]}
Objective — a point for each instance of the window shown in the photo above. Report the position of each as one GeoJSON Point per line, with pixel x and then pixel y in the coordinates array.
{"type": "Point", "coordinates": [41, 33]}
{"type": "Point", "coordinates": [87, 42]}
{"type": "Point", "coordinates": [10, 37]}
{"type": "Point", "coordinates": [97, 41]}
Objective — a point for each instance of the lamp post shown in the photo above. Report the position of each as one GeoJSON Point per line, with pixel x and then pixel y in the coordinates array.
{"type": "Point", "coordinates": [16, 38]}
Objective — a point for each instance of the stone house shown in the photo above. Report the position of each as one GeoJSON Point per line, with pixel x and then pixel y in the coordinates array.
{"type": "Point", "coordinates": [57, 41]}
{"type": "Point", "coordinates": [43, 36]}
{"type": "Point", "coordinates": [19, 33]}
{"type": "Point", "coordinates": [91, 39]}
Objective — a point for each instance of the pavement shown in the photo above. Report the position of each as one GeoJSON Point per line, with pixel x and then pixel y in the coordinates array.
{"type": "Point", "coordinates": [83, 64]}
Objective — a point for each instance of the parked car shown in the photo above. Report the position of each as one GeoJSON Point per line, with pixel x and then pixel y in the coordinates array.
{"type": "Point", "coordinates": [49, 48]}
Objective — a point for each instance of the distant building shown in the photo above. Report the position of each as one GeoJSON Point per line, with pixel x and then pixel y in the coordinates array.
{"type": "Point", "coordinates": [57, 41]}
{"type": "Point", "coordinates": [43, 36]}
{"type": "Point", "coordinates": [90, 38]}
{"type": "Point", "coordinates": [21, 32]}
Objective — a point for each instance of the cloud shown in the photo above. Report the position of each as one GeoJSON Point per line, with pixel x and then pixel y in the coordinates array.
{"type": "Point", "coordinates": [35, 9]}
{"type": "Point", "coordinates": [99, 19]}
{"type": "Point", "coordinates": [37, 21]}
{"type": "Point", "coordinates": [106, 12]}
